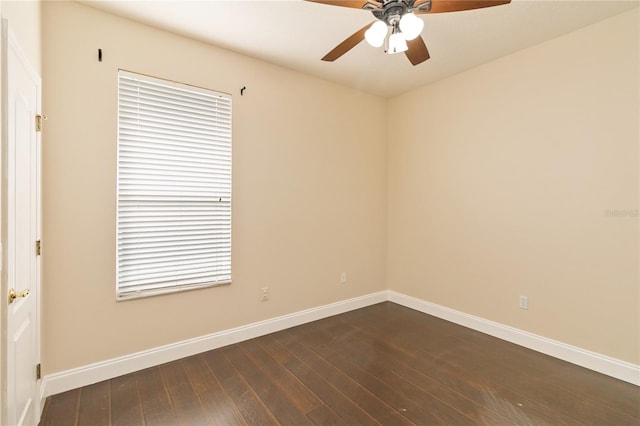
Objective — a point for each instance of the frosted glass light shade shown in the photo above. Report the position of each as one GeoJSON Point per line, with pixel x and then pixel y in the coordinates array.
{"type": "Point", "coordinates": [411, 26]}
{"type": "Point", "coordinates": [376, 33]}
{"type": "Point", "coordinates": [397, 43]}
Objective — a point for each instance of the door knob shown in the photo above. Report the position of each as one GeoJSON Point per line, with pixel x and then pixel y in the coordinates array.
{"type": "Point", "coordinates": [13, 295]}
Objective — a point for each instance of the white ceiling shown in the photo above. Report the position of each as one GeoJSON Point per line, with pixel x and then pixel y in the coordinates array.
{"type": "Point", "coordinates": [296, 34]}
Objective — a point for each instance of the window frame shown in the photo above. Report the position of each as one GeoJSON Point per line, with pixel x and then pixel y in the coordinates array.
{"type": "Point", "coordinates": [129, 291]}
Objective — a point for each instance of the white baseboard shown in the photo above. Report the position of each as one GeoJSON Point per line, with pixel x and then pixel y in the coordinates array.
{"type": "Point", "coordinates": [104, 370]}
{"type": "Point", "coordinates": [82, 376]}
{"type": "Point", "coordinates": [594, 361]}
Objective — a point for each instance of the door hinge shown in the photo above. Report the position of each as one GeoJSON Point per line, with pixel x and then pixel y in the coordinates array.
{"type": "Point", "coordinates": [39, 119]}
{"type": "Point", "coordinates": [38, 248]}
{"type": "Point", "coordinates": [38, 371]}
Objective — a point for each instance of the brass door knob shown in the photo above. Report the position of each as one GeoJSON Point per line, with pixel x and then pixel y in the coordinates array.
{"type": "Point", "coordinates": [13, 295]}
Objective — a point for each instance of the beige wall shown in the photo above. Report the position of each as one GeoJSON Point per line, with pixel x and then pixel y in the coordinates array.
{"type": "Point", "coordinates": [498, 184]}
{"type": "Point", "coordinates": [24, 21]}
{"type": "Point", "coordinates": [500, 179]}
{"type": "Point", "coordinates": [309, 189]}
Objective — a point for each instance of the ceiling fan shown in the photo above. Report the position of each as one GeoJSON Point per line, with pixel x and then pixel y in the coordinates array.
{"type": "Point", "coordinates": [399, 17]}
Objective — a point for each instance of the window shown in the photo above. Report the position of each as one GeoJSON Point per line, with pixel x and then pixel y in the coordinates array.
{"type": "Point", "coordinates": [173, 187]}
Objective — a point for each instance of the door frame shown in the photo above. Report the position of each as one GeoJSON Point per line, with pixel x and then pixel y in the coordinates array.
{"type": "Point", "coordinates": [9, 41]}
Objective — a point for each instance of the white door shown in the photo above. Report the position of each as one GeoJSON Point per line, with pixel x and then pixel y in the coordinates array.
{"type": "Point", "coordinates": [21, 183]}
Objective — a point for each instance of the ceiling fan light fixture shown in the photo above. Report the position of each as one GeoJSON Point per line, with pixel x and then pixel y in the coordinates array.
{"type": "Point", "coordinates": [397, 43]}
{"type": "Point", "coordinates": [376, 34]}
{"type": "Point", "coordinates": [390, 13]}
{"type": "Point", "coordinates": [411, 26]}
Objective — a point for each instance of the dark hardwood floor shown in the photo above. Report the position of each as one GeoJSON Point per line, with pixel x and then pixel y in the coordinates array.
{"type": "Point", "coordinates": [384, 364]}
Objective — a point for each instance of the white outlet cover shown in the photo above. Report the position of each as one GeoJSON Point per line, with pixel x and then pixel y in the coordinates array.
{"type": "Point", "coordinates": [524, 302]}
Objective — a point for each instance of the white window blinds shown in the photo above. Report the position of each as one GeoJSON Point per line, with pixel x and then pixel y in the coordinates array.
{"type": "Point", "coordinates": [174, 187]}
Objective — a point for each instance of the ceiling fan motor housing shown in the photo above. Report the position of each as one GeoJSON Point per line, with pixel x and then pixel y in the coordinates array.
{"type": "Point", "coordinates": [392, 10]}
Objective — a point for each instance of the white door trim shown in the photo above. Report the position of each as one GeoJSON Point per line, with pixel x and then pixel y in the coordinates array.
{"type": "Point", "coordinates": [9, 42]}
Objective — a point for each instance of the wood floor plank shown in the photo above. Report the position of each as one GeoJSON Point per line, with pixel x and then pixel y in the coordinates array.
{"type": "Point", "coordinates": [619, 395]}
{"type": "Point", "coordinates": [386, 367]}
{"type": "Point", "coordinates": [417, 405]}
{"type": "Point", "coordinates": [218, 405]}
{"type": "Point", "coordinates": [250, 406]}
{"type": "Point", "coordinates": [344, 407]}
{"type": "Point", "coordinates": [506, 403]}
{"type": "Point", "coordinates": [156, 404]}
{"type": "Point", "coordinates": [584, 384]}
{"type": "Point", "coordinates": [279, 404]}
{"type": "Point", "coordinates": [62, 409]}
{"type": "Point", "coordinates": [368, 402]}
{"type": "Point", "coordinates": [126, 407]}
{"type": "Point", "coordinates": [323, 416]}
{"type": "Point", "coordinates": [275, 349]}
{"type": "Point", "coordinates": [393, 397]}
{"type": "Point", "coordinates": [508, 371]}
{"type": "Point", "coordinates": [380, 365]}
{"type": "Point", "coordinates": [303, 399]}
{"type": "Point", "coordinates": [95, 405]}
{"type": "Point", "coordinates": [184, 400]}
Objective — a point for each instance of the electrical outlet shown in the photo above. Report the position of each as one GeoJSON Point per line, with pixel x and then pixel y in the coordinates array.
{"type": "Point", "coordinates": [524, 302]}
{"type": "Point", "coordinates": [265, 294]}
{"type": "Point", "coordinates": [343, 278]}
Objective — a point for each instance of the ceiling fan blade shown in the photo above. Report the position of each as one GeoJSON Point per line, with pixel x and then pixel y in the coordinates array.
{"type": "Point", "coordinates": [417, 52]}
{"type": "Point", "coordinates": [356, 4]}
{"type": "Point", "coordinates": [440, 6]}
{"type": "Point", "coordinates": [348, 44]}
